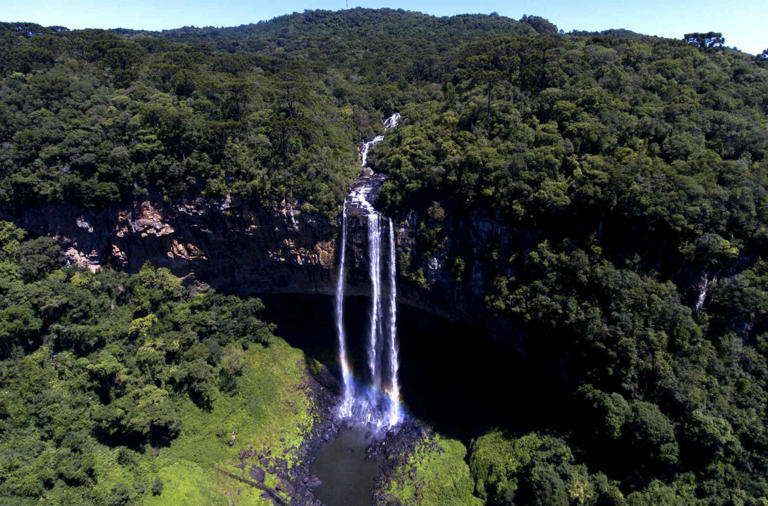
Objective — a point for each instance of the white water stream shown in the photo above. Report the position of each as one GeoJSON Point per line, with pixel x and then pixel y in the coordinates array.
{"type": "Point", "coordinates": [394, 362]}
{"type": "Point", "coordinates": [372, 403]}
{"type": "Point", "coordinates": [348, 394]}
{"type": "Point", "coordinates": [374, 254]}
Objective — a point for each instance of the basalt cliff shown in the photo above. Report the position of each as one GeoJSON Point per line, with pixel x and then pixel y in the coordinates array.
{"type": "Point", "coordinates": [237, 247]}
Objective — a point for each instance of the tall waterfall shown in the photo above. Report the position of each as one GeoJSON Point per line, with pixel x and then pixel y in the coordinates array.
{"type": "Point", "coordinates": [374, 260]}
{"type": "Point", "coordinates": [394, 362]}
{"type": "Point", "coordinates": [347, 400]}
{"type": "Point", "coordinates": [371, 403]}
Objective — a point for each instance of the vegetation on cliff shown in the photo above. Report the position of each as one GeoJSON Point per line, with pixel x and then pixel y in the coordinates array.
{"type": "Point", "coordinates": [434, 471]}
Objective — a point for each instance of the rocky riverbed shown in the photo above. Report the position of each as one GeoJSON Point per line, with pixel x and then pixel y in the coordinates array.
{"type": "Point", "coordinates": [298, 485]}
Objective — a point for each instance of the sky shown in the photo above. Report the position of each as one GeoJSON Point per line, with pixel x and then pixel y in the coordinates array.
{"type": "Point", "coordinates": [744, 23]}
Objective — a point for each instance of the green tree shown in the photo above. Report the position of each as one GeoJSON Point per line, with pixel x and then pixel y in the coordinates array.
{"type": "Point", "coordinates": [705, 40]}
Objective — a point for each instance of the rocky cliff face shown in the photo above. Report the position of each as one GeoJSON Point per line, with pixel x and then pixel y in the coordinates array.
{"type": "Point", "coordinates": [238, 248]}
{"type": "Point", "coordinates": [482, 243]}
{"type": "Point", "coordinates": [228, 244]}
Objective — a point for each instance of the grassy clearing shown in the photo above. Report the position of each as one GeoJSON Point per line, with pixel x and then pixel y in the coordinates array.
{"type": "Point", "coordinates": [270, 410]}
{"type": "Point", "coordinates": [434, 474]}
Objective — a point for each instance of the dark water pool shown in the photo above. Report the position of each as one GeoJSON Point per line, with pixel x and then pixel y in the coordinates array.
{"type": "Point", "coordinates": [346, 474]}
{"type": "Point", "coordinates": [455, 379]}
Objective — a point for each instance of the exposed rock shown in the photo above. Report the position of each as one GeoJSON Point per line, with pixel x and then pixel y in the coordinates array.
{"type": "Point", "coordinates": [150, 221]}
{"type": "Point", "coordinates": [238, 248]}
{"type": "Point", "coordinates": [82, 223]}
{"type": "Point", "coordinates": [89, 260]}
{"type": "Point", "coordinates": [257, 474]}
{"type": "Point", "coordinates": [228, 245]}
{"type": "Point", "coordinates": [286, 487]}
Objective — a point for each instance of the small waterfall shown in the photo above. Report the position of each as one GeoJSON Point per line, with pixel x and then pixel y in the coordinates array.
{"type": "Point", "coordinates": [345, 409]}
{"type": "Point", "coordinates": [367, 404]}
{"type": "Point", "coordinates": [392, 121]}
{"type": "Point", "coordinates": [703, 287]}
{"type": "Point", "coordinates": [389, 123]}
{"type": "Point", "coordinates": [366, 147]}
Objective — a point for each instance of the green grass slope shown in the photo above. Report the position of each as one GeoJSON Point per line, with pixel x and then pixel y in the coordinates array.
{"type": "Point", "coordinates": [434, 473]}
{"type": "Point", "coordinates": [271, 411]}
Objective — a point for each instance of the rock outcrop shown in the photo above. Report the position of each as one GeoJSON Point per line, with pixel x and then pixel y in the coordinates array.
{"type": "Point", "coordinates": [227, 244]}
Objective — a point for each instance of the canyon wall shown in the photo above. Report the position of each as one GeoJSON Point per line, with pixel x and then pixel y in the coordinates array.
{"type": "Point", "coordinates": [238, 248]}
{"type": "Point", "coordinates": [227, 244]}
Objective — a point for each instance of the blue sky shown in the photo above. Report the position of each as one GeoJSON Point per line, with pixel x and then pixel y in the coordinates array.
{"type": "Point", "coordinates": [744, 23]}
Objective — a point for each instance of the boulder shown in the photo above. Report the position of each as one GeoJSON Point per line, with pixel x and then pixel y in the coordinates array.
{"type": "Point", "coordinates": [257, 474]}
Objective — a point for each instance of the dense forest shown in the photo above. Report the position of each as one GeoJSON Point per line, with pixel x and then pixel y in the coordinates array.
{"type": "Point", "coordinates": [100, 372]}
{"type": "Point", "coordinates": [629, 174]}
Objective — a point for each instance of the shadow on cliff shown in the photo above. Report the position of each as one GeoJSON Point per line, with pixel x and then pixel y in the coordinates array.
{"type": "Point", "coordinates": [455, 379]}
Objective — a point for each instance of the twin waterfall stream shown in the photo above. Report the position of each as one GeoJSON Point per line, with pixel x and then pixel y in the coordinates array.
{"type": "Point", "coordinates": [376, 403]}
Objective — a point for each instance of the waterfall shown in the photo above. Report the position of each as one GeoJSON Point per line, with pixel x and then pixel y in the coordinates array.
{"type": "Point", "coordinates": [345, 409]}
{"type": "Point", "coordinates": [392, 121]}
{"type": "Point", "coordinates": [366, 147]}
{"type": "Point", "coordinates": [703, 285]}
{"type": "Point", "coordinates": [394, 363]}
{"type": "Point", "coordinates": [374, 261]}
{"type": "Point", "coordinates": [368, 404]}
{"type": "Point", "coordinates": [389, 123]}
